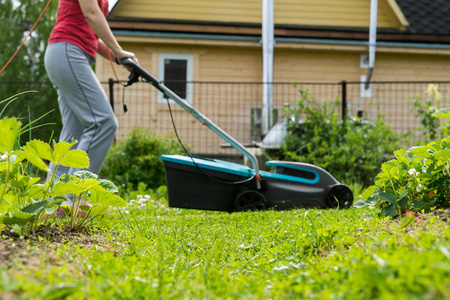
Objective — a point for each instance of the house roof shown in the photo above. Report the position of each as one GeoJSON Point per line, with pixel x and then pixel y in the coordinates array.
{"type": "Point", "coordinates": [426, 17]}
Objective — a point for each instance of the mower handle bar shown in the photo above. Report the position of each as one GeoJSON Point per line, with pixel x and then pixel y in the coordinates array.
{"type": "Point", "coordinates": [138, 71]}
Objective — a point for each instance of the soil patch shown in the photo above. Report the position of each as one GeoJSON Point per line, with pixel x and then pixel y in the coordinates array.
{"type": "Point", "coordinates": [27, 250]}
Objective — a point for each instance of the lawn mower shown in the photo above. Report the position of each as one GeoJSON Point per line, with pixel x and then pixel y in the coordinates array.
{"type": "Point", "coordinates": [209, 184]}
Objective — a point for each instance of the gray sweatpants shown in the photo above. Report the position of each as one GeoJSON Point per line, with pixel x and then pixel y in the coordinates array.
{"type": "Point", "coordinates": [85, 110]}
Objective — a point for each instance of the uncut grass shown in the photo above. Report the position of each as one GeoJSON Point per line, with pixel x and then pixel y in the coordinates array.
{"type": "Point", "coordinates": [324, 254]}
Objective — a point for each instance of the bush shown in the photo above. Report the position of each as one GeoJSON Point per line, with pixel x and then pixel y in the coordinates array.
{"type": "Point", "coordinates": [137, 160]}
{"type": "Point", "coordinates": [351, 150]}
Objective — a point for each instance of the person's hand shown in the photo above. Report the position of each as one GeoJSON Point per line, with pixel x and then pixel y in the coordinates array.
{"type": "Point", "coordinates": [126, 54]}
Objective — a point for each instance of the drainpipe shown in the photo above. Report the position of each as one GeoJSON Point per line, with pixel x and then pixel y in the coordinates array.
{"type": "Point", "coordinates": [372, 40]}
{"type": "Point", "coordinates": [267, 78]}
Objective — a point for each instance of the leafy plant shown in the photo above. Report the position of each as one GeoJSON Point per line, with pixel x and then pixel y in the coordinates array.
{"type": "Point", "coordinates": [352, 150]}
{"type": "Point", "coordinates": [415, 180]}
{"type": "Point", "coordinates": [431, 128]}
{"type": "Point", "coordinates": [23, 201]}
{"type": "Point", "coordinates": [136, 160]}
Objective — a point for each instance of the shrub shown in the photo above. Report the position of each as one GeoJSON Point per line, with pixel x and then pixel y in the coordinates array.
{"type": "Point", "coordinates": [352, 150]}
{"type": "Point", "coordinates": [137, 159]}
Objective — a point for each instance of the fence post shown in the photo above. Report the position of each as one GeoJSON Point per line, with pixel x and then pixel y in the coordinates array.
{"type": "Point", "coordinates": [111, 92]}
{"type": "Point", "coordinates": [344, 100]}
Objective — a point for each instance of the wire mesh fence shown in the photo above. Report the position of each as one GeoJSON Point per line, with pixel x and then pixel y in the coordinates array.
{"type": "Point", "coordinates": [236, 107]}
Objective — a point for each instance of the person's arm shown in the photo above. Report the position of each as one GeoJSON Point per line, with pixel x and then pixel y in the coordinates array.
{"type": "Point", "coordinates": [97, 21]}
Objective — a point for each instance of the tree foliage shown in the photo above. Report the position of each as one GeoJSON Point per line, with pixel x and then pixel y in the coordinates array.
{"type": "Point", "coordinates": [26, 71]}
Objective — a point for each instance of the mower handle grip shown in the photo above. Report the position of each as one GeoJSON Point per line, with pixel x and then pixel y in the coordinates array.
{"type": "Point", "coordinates": [137, 72]}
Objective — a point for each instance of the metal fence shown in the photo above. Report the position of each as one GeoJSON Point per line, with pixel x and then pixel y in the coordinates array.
{"type": "Point", "coordinates": [236, 107]}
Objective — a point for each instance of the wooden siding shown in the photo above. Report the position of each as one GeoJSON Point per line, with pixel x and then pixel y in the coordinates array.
{"type": "Point", "coordinates": [230, 105]}
{"type": "Point", "coordinates": [342, 13]}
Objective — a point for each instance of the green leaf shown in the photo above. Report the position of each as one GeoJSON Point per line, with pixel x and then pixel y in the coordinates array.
{"type": "Point", "coordinates": [371, 190]}
{"type": "Point", "coordinates": [4, 205]}
{"type": "Point", "coordinates": [38, 149]}
{"type": "Point", "coordinates": [109, 185]}
{"type": "Point", "coordinates": [88, 184]}
{"type": "Point", "coordinates": [421, 151]}
{"type": "Point", "coordinates": [389, 210]}
{"type": "Point", "coordinates": [361, 203]}
{"type": "Point", "coordinates": [385, 196]}
{"type": "Point", "coordinates": [443, 154]}
{"type": "Point", "coordinates": [18, 217]}
{"type": "Point", "coordinates": [406, 221]}
{"type": "Point", "coordinates": [62, 291]}
{"type": "Point", "coordinates": [50, 210]}
{"type": "Point", "coordinates": [9, 130]}
{"type": "Point", "coordinates": [405, 192]}
{"type": "Point", "coordinates": [84, 174]}
{"type": "Point", "coordinates": [103, 197]}
{"type": "Point", "coordinates": [417, 204]}
{"type": "Point", "coordinates": [67, 188]}
{"type": "Point", "coordinates": [24, 182]}
{"type": "Point", "coordinates": [36, 207]}
{"type": "Point", "coordinates": [60, 150]}
{"type": "Point", "coordinates": [442, 113]}
{"type": "Point", "coordinates": [98, 210]}
{"type": "Point", "coordinates": [75, 159]}
{"type": "Point", "coordinates": [403, 202]}
{"type": "Point", "coordinates": [33, 159]}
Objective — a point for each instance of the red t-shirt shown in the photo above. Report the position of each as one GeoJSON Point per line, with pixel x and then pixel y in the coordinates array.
{"type": "Point", "coordinates": [71, 26]}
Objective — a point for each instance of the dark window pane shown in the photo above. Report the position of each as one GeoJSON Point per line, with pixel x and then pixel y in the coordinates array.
{"type": "Point", "coordinates": [175, 75]}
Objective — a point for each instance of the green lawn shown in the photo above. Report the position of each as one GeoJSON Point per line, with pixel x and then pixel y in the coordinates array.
{"type": "Point", "coordinates": [159, 252]}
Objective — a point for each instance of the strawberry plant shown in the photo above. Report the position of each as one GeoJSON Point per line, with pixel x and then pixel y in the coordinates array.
{"type": "Point", "coordinates": [23, 200]}
{"type": "Point", "coordinates": [414, 180]}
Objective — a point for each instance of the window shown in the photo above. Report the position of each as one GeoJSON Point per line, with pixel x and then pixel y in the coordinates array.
{"type": "Point", "coordinates": [175, 71]}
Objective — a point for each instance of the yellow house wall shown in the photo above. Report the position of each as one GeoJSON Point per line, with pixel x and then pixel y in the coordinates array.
{"type": "Point", "coordinates": [343, 13]}
{"type": "Point", "coordinates": [229, 105]}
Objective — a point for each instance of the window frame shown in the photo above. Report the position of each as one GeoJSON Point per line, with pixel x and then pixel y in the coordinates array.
{"type": "Point", "coordinates": [189, 70]}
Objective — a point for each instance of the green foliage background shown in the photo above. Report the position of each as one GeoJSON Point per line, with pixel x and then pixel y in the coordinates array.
{"type": "Point", "coordinates": [27, 71]}
{"type": "Point", "coordinates": [137, 160]}
{"type": "Point", "coordinates": [351, 150]}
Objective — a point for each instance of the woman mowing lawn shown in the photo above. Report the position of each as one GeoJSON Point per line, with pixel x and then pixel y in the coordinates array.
{"type": "Point", "coordinates": [81, 31]}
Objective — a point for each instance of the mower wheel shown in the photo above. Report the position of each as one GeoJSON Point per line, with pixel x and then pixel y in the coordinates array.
{"type": "Point", "coordinates": [250, 200]}
{"type": "Point", "coordinates": [339, 196]}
